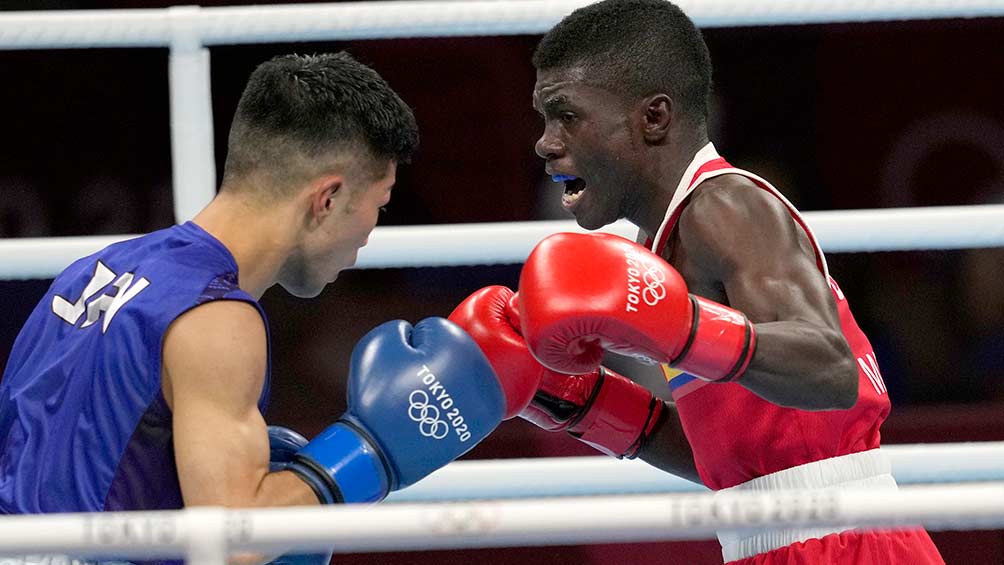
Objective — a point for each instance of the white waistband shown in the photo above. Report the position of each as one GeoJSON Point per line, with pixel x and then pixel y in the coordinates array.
{"type": "Point", "coordinates": [866, 469]}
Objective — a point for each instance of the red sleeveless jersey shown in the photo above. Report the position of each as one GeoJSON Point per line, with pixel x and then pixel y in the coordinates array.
{"type": "Point", "coordinates": [737, 436]}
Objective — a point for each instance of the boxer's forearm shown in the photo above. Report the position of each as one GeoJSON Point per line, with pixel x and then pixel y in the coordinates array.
{"type": "Point", "coordinates": [799, 365]}
{"type": "Point", "coordinates": [668, 449]}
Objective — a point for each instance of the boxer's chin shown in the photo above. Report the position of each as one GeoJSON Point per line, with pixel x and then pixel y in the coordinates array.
{"type": "Point", "coordinates": [306, 288]}
{"type": "Point", "coordinates": [587, 224]}
{"type": "Point", "coordinates": [589, 219]}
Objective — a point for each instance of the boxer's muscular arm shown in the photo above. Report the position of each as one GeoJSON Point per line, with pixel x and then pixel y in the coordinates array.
{"type": "Point", "coordinates": [213, 371]}
{"type": "Point", "coordinates": [744, 239]}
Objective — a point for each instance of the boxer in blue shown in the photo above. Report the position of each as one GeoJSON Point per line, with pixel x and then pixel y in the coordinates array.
{"type": "Point", "coordinates": [141, 378]}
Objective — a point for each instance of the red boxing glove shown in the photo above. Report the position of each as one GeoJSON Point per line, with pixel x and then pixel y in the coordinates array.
{"type": "Point", "coordinates": [583, 293]}
{"type": "Point", "coordinates": [603, 409]}
{"type": "Point", "coordinates": [485, 316]}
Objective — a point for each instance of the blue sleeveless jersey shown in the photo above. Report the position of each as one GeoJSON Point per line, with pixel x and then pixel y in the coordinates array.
{"type": "Point", "coordinates": [83, 423]}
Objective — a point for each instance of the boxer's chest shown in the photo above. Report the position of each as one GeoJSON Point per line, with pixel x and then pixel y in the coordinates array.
{"type": "Point", "coordinates": [697, 276]}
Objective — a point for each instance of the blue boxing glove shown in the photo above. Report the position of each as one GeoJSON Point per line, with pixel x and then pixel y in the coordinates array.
{"type": "Point", "coordinates": [418, 398]}
{"type": "Point", "coordinates": [283, 443]}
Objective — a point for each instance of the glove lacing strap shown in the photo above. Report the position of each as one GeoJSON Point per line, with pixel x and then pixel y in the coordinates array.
{"type": "Point", "coordinates": [593, 394]}
{"type": "Point", "coordinates": [312, 474]}
{"type": "Point", "coordinates": [705, 364]}
{"type": "Point", "coordinates": [320, 480]}
{"type": "Point", "coordinates": [749, 349]}
{"type": "Point", "coordinates": [652, 418]}
{"type": "Point", "coordinates": [655, 417]}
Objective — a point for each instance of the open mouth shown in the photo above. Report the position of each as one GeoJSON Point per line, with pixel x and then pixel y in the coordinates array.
{"type": "Point", "coordinates": [574, 189]}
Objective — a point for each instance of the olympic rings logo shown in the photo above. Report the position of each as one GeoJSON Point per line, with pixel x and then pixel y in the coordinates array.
{"type": "Point", "coordinates": [427, 416]}
{"type": "Point", "coordinates": [645, 280]}
{"type": "Point", "coordinates": [654, 290]}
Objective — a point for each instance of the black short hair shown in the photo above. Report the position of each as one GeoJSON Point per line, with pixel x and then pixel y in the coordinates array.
{"type": "Point", "coordinates": [636, 47]}
{"type": "Point", "coordinates": [297, 108]}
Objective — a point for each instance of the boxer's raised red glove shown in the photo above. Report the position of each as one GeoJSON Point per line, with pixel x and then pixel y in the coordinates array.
{"type": "Point", "coordinates": [601, 408]}
{"type": "Point", "coordinates": [583, 293]}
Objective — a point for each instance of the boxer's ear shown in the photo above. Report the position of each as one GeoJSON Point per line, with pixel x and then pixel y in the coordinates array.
{"type": "Point", "coordinates": [656, 116]}
{"type": "Point", "coordinates": [325, 194]}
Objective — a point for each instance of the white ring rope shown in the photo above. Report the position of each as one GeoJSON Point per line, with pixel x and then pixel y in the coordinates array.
{"type": "Point", "coordinates": [579, 476]}
{"type": "Point", "coordinates": [891, 229]}
{"type": "Point", "coordinates": [418, 18]}
{"type": "Point", "coordinates": [550, 521]}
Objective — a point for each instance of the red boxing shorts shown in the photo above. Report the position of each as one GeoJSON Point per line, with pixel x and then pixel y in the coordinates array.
{"type": "Point", "coordinates": [885, 547]}
{"type": "Point", "coordinates": [832, 545]}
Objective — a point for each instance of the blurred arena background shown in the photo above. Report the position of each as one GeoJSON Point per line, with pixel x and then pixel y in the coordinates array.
{"type": "Point", "coordinates": [838, 116]}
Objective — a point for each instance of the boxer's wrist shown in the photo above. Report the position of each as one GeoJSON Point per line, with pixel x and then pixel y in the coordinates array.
{"type": "Point", "coordinates": [343, 465]}
{"type": "Point", "coordinates": [619, 416]}
{"type": "Point", "coordinates": [721, 345]}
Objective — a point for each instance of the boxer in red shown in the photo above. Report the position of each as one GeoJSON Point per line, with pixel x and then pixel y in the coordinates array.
{"type": "Point", "coordinates": [773, 384]}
